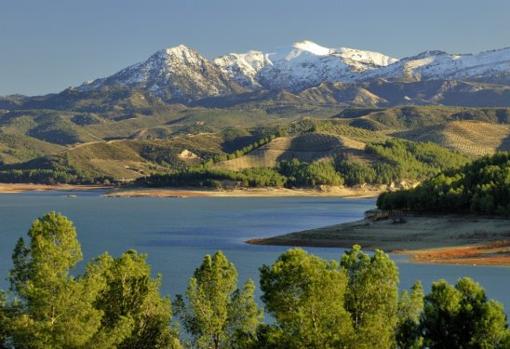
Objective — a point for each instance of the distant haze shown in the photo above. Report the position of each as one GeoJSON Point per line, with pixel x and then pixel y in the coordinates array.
{"type": "Point", "coordinates": [47, 46]}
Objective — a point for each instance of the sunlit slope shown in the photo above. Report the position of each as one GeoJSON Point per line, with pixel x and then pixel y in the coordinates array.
{"type": "Point", "coordinates": [117, 159]}
{"type": "Point", "coordinates": [129, 159]}
{"type": "Point", "coordinates": [469, 137]}
{"type": "Point", "coordinates": [307, 147]}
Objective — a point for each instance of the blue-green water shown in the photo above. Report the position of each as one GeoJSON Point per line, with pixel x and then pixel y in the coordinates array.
{"type": "Point", "coordinates": [177, 233]}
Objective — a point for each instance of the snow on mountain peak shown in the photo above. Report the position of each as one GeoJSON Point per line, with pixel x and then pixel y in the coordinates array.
{"type": "Point", "coordinates": [491, 65]}
{"type": "Point", "coordinates": [180, 50]}
{"type": "Point", "coordinates": [370, 58]}
{"type": "Point", "coordinates": [243, 67]}
{"type": "Point", "coordinates": [301, 50]}
{"type": "Point", "coordinates": [181, 72]}
{"type": "Point", "coordinates": [312, 47]}
{"type": "Point", "coordinates": [301, 65]}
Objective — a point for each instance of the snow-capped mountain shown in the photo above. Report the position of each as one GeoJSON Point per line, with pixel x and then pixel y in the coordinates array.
{"type": "Point", "coordinates": [439, 65]}
{"type": "Point", "coordinates": [177, 73]}
{"type": "Point", "coordinates": [302, 65]}
{"type": "Point", "coordinates": [182, 74]}
{"type": "Point", "coordinates": [243, 67]}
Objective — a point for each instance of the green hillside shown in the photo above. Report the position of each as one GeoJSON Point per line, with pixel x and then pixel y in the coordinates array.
{"type": "Point", "coordinates": [132, 136]}
{"type": "Point", "coordinates": [481, 187]}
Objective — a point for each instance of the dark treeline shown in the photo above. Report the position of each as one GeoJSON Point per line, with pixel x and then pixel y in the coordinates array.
{"type": "Point", "coordinates": [247, 148]}
{"type": "Point", "coordinates": [391, 161]}
{"type": "Point", "coordinates": [481, 187]}
{"type": "Point", "coordinates": [51, 176]}
{"type": "Point", "coordinates": [49, 170]}
{"type": "Point", "coordinates": [293, 173]}
{"type": "Point", "coordinates": [315, 303]}
{"type": "Point", "coordinates": [215, 178]}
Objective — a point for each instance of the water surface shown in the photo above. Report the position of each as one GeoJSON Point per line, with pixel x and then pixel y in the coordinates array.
{"type": "Point", "coordinates": [176, 233]}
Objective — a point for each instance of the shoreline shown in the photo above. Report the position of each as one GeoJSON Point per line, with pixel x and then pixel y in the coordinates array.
{"type": "Point", "coordinates": [245, 192]}
{"type": "Point", "coordinates": [15, 188]}
{"type": "Point", "coordinates": [495, 253]}
{"type": "Point", "coordinates": [178, 192]}
{"type": "Point", "coordinates": [441, 239]}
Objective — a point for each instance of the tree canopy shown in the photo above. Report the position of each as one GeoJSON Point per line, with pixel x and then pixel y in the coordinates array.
{"type": "Point", "coordinates": [116, 302]}
{"type": "Point", "coordinates": [481, 187]}
{"type": "Point", "coordinates": [216, 313]}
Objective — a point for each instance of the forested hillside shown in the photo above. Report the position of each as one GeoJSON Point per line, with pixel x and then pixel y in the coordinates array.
{"type": "Point", "coordinates": [392, 161]}
{"type": "Point", "coordinates": [481, 187]}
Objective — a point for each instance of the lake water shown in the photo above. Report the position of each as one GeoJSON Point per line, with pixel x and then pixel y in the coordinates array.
{"type": "Point", "coordinates": [177, 233]}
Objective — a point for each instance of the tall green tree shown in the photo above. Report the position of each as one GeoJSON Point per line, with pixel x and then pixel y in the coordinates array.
{"type": "Point", "coordinates": [461, 316]}
{"type": "Point", "coordinates": [410, 310]}
{"type": "Point", "coordinates": [217, 314]}
{"type": "Point", "coordinates": [135, 314]}
{"type": "Point", "coordinates": [4, 320]}
{"type": "Point", "coordinates": [372, 297]}
{"type": "Point", "coordinates": [244, 316]}
{"type": "Point", "coordinates": [55, 309]}
{"type": "Point", "coordinates": [305, 295]}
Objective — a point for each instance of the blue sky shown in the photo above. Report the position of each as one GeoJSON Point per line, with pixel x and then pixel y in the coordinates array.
{"type": "Point", "coordinates": [48, 45]}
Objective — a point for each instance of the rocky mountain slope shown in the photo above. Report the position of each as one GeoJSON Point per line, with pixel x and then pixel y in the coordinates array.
{"type": "Point", "coordinates": [181, 74]}
{"type": "Point", "coordinates": [300, 66]}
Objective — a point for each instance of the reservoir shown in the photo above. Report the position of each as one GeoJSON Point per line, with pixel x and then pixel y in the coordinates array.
{"type": "Point", "coordinates": [176, 233]}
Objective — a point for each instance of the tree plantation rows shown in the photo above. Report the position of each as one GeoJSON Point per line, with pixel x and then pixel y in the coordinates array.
{"type": "Point", "coordinates": [312, 303]}
{"type": "Point", "coordinates": [482, 187]}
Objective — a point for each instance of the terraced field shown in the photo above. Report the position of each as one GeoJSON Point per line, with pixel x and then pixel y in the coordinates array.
{"type": "Point", "coordinates": [307, 147]}
{"type": "Point", "coordinates": [469, 137]}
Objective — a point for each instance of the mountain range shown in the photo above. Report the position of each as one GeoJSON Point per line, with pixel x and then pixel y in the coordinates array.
{"type": "Point", "coordinates": [182, 74]}
{"type": "Point", "coordinates": [304, 72]}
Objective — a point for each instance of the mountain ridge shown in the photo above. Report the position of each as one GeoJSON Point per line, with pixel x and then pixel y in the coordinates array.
{"type": "Point", "coordinates": [301, 73]}
{"type": "Point", "coordinates": [182, 73]}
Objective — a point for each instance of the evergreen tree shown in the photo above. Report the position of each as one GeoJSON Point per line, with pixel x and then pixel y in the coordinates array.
{"type": "Point", "coordinates": [244, 317]}
{"type": "Point", "coordinates": [481, 187]}
{"type": "Point", "coordinates": [461, 316]}
{"type": "Point", "coordinates": [305, 295]}
{"type": "Point", "coordinates": [135, 314]}
{"type": "Point", "coordinates": [55, 309]}
{"type": "Point", "coordinates": [372, 297]}
{"type": "Point", "coordinates": [4, 320]}
{"type": "Point", "coordinates": [410, 310]}
{"type": "Point", "coordinates": [216, 313]}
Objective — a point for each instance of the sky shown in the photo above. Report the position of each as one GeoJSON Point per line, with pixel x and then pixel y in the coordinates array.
{"type": "Point", "coordinates": [49, 45]}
